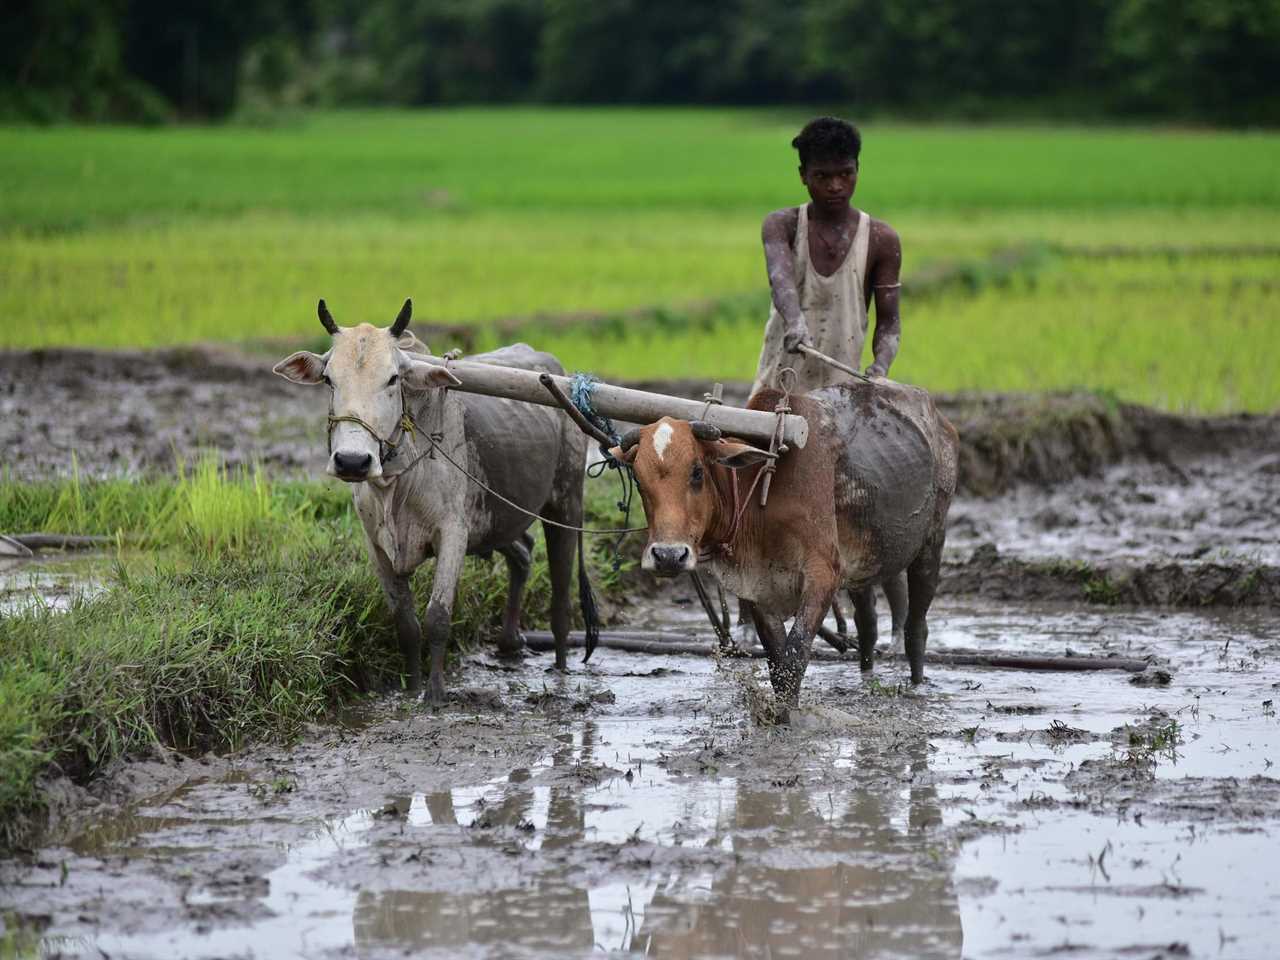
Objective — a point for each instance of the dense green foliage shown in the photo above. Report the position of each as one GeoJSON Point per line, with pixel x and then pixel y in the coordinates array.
{"type": "Point", "coordinates": [1213, 60]}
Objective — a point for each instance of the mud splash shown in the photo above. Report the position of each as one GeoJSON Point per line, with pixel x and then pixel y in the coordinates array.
{"type": "Point", "coordinates": [631, 807]}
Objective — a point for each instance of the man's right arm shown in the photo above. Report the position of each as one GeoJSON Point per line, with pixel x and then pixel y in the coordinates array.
{"type": "Point", "coordinates": [778, 235]}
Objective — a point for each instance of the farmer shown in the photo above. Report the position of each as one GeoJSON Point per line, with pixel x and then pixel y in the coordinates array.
{"type": "Point", "coordinates": [825, 259]}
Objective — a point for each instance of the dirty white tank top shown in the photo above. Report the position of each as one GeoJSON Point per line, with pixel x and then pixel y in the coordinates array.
{"type": "Point", "coordinates": [835, 309]}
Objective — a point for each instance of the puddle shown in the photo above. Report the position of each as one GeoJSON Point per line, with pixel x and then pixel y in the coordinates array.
{"type": "Point", "coordinates": [997, 813]}
{"type": "Point", "coordinates": [52, 581]}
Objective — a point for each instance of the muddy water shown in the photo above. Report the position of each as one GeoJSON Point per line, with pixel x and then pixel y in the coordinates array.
{"type": "Point", "coordinates": [633, 807]}
{"type": "Point", "coordinates": [51, 580]}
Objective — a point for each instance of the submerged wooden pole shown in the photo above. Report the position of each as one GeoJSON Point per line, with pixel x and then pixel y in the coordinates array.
{"type": "Point", "coordinates": [623, 403]}
{"type": "Point", "coordinates": [658, 642]}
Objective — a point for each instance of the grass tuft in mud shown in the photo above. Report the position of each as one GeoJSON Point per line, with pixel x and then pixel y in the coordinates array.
{"type": "Point", "coordinates": [260, 613]}
{"type": "Point", "coordinates": [236, 646]}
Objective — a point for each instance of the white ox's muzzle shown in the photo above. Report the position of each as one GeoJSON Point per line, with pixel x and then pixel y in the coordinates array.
{"type": "Point", "coordinates": [355, 455]}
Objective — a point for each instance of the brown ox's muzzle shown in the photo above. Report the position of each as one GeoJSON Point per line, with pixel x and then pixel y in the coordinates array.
{"type": "Point", "coordinates": [668, 559]}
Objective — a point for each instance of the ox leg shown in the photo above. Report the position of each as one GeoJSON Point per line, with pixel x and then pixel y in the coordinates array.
{"type": "Point", "coordinates": [895, 591]}
{"type": "Point", "coordinates": [518, 554]}
{"type": "Point", "coordinates": [408, 631]}
{"type": "Point", "coordinates": [769, 628]}
{"type": "Point", "coordinates": [922, 583]}
{"type": "Point", "coordinates": [451, 551]}
{"type": "Point", "coordinates": [561, 546]}
{"type": "Point", "coordinates": [747, 631]}
{"type": "Point", "coordinates": [799, 644]}
{"type": "Point", "coordinates": [864, 621]}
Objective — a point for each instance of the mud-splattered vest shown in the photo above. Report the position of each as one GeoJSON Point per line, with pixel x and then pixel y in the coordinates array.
{"type": "Point", "coordinates": [834, 307]}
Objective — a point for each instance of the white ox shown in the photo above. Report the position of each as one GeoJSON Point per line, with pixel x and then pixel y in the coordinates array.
{"type": "Point", "coordinates": [391, 417]}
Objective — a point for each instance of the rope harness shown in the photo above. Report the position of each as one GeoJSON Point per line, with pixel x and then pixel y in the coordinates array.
{"type": "Point", "coordinates": [776, 448]}
{"type": "Point", "coordinates": [580, 389]}
{"type": "Point", "coordinates": [389, 448]}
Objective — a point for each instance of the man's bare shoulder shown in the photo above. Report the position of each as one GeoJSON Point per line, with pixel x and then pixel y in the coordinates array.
{"type": "Point", "coordinates": [883, 236]}
{"type": "Point", "coordinates": [781, 223]}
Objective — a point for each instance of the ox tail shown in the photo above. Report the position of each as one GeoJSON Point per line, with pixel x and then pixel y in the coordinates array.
{"type": "Point", "coordinates": [587, 601]}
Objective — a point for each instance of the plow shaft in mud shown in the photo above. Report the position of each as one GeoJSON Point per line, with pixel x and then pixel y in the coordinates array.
{"type": "Point", "coordinates": [623, 403]}
{"type": "Point", "coordinates": [656, 642]}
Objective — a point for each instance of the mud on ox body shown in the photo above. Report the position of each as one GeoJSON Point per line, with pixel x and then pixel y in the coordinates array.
{"type": "Point", "coordinates": [865, 500]}
{"type": "Point", "coordinates": [390, 414]}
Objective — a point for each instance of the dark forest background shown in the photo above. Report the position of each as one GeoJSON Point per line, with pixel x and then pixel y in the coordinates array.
{"type": "Point", "coordinates": [1207, 61]}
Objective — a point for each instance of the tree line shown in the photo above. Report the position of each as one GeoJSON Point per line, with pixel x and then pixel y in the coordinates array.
{"type": "Point", "coordinates": [1215, 61]}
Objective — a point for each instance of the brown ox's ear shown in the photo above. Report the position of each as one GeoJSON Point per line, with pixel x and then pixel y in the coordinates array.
{"type": "Point", "coordinates": [736, 455]}
{"type": "Point", "coordinates": [420, 375]}
{"type": "Point", "coordinates": [625, 456]}
{"type": "Point", "coordinates": [301, 367]}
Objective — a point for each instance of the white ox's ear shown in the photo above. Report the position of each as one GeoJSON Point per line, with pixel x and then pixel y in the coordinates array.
{"type": "Point", "coordinates": [301, 367]}
{"type": "Point", "coordinates": [420, 375]}
{"type": "Point", "coordinates": [735, 455]}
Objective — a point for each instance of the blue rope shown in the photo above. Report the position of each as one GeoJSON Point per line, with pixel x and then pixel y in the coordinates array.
{"type": "Point", "coordinates": [580, 389]}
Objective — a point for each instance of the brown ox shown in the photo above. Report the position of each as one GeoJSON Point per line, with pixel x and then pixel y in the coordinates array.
{"type": "Point", "coordinates": [865, 500]}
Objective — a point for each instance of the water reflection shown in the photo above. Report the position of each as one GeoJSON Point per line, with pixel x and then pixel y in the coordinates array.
{"type": "Point", "coordinates": [549, 916]}
{"type": "Point", "coordinates": [851, 875]}
{"type": "Point", "coordinates": [849, 872]}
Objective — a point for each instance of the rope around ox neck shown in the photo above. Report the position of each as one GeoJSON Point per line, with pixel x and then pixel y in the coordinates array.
{"type": "Point", "coordinates": [435, 445]}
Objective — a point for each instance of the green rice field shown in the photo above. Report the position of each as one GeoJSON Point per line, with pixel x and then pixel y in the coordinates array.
{"type": "Point", "coordinates": [1159, 282]}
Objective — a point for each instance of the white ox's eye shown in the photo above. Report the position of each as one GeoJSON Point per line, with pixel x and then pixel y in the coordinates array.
{"type": "Point", "coordinates": [327, 381]}
{"type": "Point", "coordinates": [395, 378]}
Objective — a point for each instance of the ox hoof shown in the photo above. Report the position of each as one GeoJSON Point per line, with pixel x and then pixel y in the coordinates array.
{"type": "Point", "coordinates": [435, 693]}
{"type": "Point", "coordinates": [511, 647]}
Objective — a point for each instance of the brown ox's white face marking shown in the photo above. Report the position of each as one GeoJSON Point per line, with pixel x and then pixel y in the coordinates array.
{"type": "Point", "coordinates": [673, 471]}
{"type": "Point", "coordinates": [368, 373]}
{"type": "Point", "coordinates": [661, 437]}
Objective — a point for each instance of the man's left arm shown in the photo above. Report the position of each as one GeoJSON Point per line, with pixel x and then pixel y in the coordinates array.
{"type": "Point", "coordinates": [884, 277]}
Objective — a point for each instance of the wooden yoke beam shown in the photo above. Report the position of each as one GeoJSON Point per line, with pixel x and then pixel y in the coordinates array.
{"type": "Point", "coordinates": [623, 403]}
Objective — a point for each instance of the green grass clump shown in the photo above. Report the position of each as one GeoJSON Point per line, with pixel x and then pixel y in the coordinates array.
{"type": "Point", "coordinates": [238, 646]}
{"type": "Point", "coordinates": [260, 613]}
{"type": "Point", "coordinates": [206, 508]}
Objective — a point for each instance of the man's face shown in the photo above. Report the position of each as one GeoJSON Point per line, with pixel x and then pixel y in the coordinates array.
{"type": "Point", "coordinates": [830, 182]}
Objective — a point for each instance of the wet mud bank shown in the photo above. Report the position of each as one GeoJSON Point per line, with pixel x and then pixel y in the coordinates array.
{"type": "Point", "coordinates": [634, 806]}
{"type": "Point", "coordinates": [1155, 584]}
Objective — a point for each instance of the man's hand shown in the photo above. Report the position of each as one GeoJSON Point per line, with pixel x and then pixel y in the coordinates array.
{"type": "Point", "coordinates": [796, 335]}
{"type": "Point", "coordinates": [875, 370]}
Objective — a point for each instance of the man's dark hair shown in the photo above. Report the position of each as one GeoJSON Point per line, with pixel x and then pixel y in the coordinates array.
{"type": "Point", "coordinates": [828, 138]}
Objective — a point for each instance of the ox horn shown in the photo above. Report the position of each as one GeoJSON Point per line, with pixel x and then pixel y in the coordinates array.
{"type": "Point", "coordinates": [704, 431]}
{"type": "Point", "coordinates": [326, 318]}
{"type": "Point", "coordinates": [402, 320]}
{"type": "Point", "coordinates": [629, 439]}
